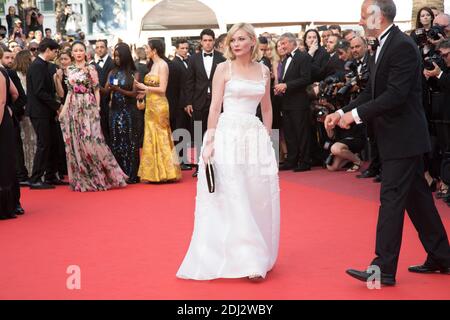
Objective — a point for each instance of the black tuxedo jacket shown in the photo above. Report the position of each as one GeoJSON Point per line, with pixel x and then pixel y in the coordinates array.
{"type": "Point", "coordinates": [181, 93]}
{"type": "Point", "coordinates": [392, 100]}
{"type": "Point", "coordinates": [197, 83]}
{"type": "Point", "coordinates": [103, 72]}
{"type": "Point", "coordinates": [41, 91]}
{"type": "Point", "coordinates": [103, 79]}
{"type": "Point", "coordinates": [333, 66]}
{"type": "Point", "coordinates": [173, 84]}
{"type": "Point", "coordinates": [18, 107]}
{"type": "Point", "coordinates": [297, 78]}
{"type": "Point", "coordinates": [443, 112]}
{"type": "Point", "coordinates": [319, 61]}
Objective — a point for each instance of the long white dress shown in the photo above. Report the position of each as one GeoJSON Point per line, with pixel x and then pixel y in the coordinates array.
{"type": "Point", "coordinates": [236, 229]}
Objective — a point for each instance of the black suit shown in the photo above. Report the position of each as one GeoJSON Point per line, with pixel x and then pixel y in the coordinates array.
{"type": "Point", "coordinates": [295, 108]}
{"type": "Point", "coordinates": [197, 86]}
{"type": "Point", "coordinates": [104, 98]}
{"type": "Point", "coordinates": [441, 113]}
{"type": "Point", "coordinates": [179, 118]}
{"type": "Point", "coordinates": [333, 66]}
{"type": "Point", "coordinates": [319, 61]}
{"type": "Point", "coordinates": [392, 103]}
{"type": "Point", "coordinates": [41, 108]}
{"type": "Point", "coordinates": [18, 108]}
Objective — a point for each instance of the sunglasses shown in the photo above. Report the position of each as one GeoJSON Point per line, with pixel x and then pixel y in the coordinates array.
{"type": "Point", "coordinates": [33, 49]}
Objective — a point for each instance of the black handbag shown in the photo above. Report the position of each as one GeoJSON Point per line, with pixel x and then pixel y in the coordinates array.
{"type": "Point", "coordinates": [210, 177]}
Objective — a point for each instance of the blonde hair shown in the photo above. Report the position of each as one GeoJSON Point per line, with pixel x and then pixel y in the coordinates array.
{"type": "Point", "coordinates": [248, 28]}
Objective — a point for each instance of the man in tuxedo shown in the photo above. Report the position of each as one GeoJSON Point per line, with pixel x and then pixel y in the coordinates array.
{"type": "Point", "coordinates": [296, 76]}
{"type": "Point", "coordinates": [391, 102]}
{"type": "Point", "coordinates": [104, 64]}
{"type": "Point", "coordinates": [179, 118]}
{"type": "Point", "coordinates": [42, 109]}
{"type": "Point", "coordinates": [201, 70]}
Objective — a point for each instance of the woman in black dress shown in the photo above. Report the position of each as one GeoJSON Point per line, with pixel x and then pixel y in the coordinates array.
{"type": "Point", "coordinates": [9, 185]}
{"type": "Point", "coordinates": [124, 115]}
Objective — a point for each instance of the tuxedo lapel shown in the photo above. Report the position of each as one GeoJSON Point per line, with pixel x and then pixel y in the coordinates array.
{"type": "Point", "coordinates": [202, 65]}
{"type": "Point", "coordinates": [379, 61]}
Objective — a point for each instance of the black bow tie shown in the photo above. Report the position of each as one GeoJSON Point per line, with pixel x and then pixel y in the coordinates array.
{"type": "Point", "coordinates": [289, 55]}
{"type": "Point", "coordinates": [207, 54]}
{"type": "Point", "coordinates": [100, 61]}
{"type": "Point", "coordinates": [375, 43]}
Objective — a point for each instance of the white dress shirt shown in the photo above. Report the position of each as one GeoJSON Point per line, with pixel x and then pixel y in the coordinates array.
{"type": "Point", "coordinates": [288, 62]}
{"type": "Point", "coordinates": [101, 63]}
{"type": "Point", "coordinates": [208, 63]}
{"type": "Point", "coordinates": [183, 60]}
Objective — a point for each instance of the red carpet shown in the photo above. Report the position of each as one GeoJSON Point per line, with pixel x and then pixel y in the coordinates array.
{"type": "Point", "coordinates": [129, 244]}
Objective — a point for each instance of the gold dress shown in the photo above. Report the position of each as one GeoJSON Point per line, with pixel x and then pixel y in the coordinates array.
{"type": "Point", "coordinates": [159, 161]}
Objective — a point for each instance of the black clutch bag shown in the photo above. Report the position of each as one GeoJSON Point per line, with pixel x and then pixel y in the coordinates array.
{"type": "Point", "coordinates": [210, 177]}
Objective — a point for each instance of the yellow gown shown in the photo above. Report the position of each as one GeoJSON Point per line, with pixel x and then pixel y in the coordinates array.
{"type": "Point", "coordinates": [159, 161]}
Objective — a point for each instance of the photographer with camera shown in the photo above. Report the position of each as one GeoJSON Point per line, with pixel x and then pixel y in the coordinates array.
{"type": "Point", "coordinates": [360, 52]}
{"type": "Point", "coordinates": [34, 20]}
{"type": "Point", "coordinates": [428, 34]}
{"type": "Point", "coordinates": [346, 144]}
{"type": "Point", "coordinates": [441, 112]}
{"type": "Point", "coordinates": [332, 94]}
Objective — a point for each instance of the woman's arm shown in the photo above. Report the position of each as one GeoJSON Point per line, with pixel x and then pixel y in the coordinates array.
{"type": "Point", "coordinates": [2, 97]}
{"type": "Point", "coordinates": [163, 81]}
{"type": "Point", "coordinates": [58, 84]}
{"type": "Point", "coordinates": [13, 91]}
{"type": "Point", "coordinates": [275, 71]}
{"type": "Point", "coordinates": [130, 94]}
{"type": "Point", "coordinates": [215, 108]}
{"type": "Point", "coordinates": [266, 103]}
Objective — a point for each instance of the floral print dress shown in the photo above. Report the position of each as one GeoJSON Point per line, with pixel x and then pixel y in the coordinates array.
{"type": "Point", "coordinates": [90, 163]}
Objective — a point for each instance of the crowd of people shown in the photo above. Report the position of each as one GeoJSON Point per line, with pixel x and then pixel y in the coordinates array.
{"type": "Point", "coordinates": [111, 116]}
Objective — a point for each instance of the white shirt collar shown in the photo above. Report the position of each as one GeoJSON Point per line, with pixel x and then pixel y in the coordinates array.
{"type": "Point", "coordinates": [98, 58]}
{"type": "Point", "coordinates": [42, 57]}
{"type": "Point", "coordinates": [382, 39]}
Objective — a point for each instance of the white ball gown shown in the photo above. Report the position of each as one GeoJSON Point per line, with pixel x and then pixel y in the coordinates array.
{"type": "Point", "coordinates": [236, 229]}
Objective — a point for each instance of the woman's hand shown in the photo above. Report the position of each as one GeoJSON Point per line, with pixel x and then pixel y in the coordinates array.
{"type": "Point", "coordinates": [113, 87]}
{"type": "Point", "coordinates": [59, 74]}
{"type": "Point", "coordinates": [140, 86]}
{"type": "Point", "coordinates": [140, 96]}
{"type": "Point", "coordinates": [208, 153]}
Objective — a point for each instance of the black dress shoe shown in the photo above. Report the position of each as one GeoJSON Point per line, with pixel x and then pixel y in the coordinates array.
{"type": "Point", "coordinates": [286, 167]}
{"type": "Point", "coordinates": [24, 183]}
{"type": "Point", "coordinates": [429, 269]}
{"type": "Point", "coordinates": [41, 186]}
{"type": "Point", "coordinates": [19, 210]}
{"type": "Point", "coordinates": [185, 167]}
{"type": "Point", "coordinates": [386, 279]}
{"type": "Point", "coordinates": [302, 168]}
{"type": "Point", "coordinates": [56, 182]}
{"type": "Point", "coordinates": [133, 181]}
{"type": "Point", "coordinates": [377, 179]}
{"type": "Point", "coordinates": [11, 216]}
{"type": "Point", "coordinates": [367, 174]}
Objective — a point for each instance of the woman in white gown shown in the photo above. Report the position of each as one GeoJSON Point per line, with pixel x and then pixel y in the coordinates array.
{"type": "Point", "coordinates": [236, 230]}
